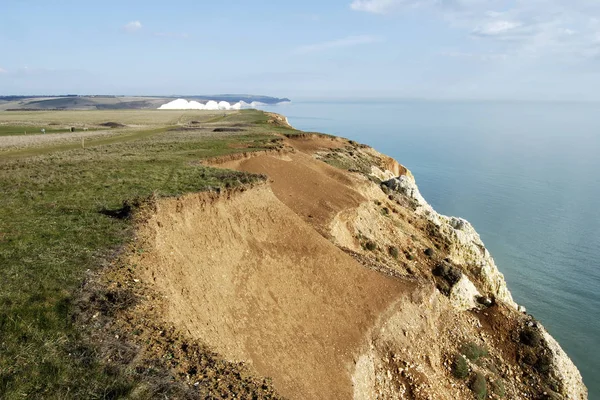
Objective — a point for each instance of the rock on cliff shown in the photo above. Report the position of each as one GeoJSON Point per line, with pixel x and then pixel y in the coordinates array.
{"type": "Point", "coordinates": [466, 249]}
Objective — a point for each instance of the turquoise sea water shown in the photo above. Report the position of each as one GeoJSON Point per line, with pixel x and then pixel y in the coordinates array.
{"type": "Point", "coordinates": [526, 175]}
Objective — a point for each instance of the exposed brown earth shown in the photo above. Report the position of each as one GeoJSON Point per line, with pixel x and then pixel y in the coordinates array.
{"type": "Point", "coordinates": [312, 189]}
{"type": "Point", "coordinates": [320, 281]}
{"type": "Point", "coordinates": [259, 285]}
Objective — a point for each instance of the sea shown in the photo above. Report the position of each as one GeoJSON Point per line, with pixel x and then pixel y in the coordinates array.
{"type": "Point", "coordinates": [525, 174]}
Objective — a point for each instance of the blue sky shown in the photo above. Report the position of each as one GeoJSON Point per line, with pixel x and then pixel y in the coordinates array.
{"type": "Point", "coordinates": [439, 49]}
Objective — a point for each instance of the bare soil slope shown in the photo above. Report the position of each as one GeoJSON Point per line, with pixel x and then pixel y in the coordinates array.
{"type": "Point", "coordinates": [325, 282]}
{"type": "Point", "coordinates": [248, 276]}
{"type": "Point", "coordinates": [312, 189]}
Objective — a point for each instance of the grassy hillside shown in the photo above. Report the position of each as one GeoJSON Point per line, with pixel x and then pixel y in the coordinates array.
{"type": "Point", "coordinates": [61, 217]}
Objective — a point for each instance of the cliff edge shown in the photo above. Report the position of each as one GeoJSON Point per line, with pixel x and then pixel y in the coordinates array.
{"type": "Point", "coordinates": [337, 280]}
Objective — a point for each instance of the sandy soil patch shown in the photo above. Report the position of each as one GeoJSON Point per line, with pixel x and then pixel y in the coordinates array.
{"type": "Point", "coordinates": [312, 189]}
{"type": "Point", "coordinates": [248, 276]}
{"type": "Point", "coordinates": [310, 143]}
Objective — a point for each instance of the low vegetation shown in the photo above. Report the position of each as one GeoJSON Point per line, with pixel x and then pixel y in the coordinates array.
{"type": "Point", "coordinates": [447, 276]}
{"type": "Point", "coordinates": [56, 223]}
{"type": "Point", "coordinates": [479, 386]}
{"type": "Point", "coordinates": [394, 252]}
{"type": "Point", "coordinates": [370, 245]}
{"type": "Point", "coordinates": [531, 337]}
{"type": "Point", "coordinates": [448, 272]}
{"type": "Point", "coordinates": [498, 388]}
{"type": "Point", "coordinates": [473, 351]}
{"type": "Point", "coordinates": [29, 130]}
{"type": "Point", "coordinates": [460, 367]}
{"type": "Point", "coordinates": [349, 159]}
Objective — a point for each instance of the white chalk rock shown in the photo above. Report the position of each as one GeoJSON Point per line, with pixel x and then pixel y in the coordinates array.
{"type": "Point", "coordinates": [565, 370]}
{"type": "Point", "coordinates": [211, 105]}
{"type": "Point", "coordinates": [464, 294]}
{"type": "Point", "coordinates": [179, 104]}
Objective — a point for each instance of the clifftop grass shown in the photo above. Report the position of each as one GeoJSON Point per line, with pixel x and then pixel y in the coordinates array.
{"type": "Point", "coordinates": [52, 230]}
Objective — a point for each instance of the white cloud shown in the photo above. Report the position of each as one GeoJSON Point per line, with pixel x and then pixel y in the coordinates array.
{"type": "Point", "coordinates": [133, 26]}
{"type": "Point", "coordinates": [525, 28]}
{"type": "Point", "coordinates": [340, 43]}
{"type": "Point", "coordinates": [496, 28]}
{"type": "Point", "coordinates": [377, 6]}
{"type": "Point", "coordinates": [389, 6]}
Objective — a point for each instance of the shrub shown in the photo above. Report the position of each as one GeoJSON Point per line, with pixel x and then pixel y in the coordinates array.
{"type": "Point", "coordinates": [460, 368]}
{"type": "Point", "coordinates": [543, 363]}
{"type": "Point", "coordinates": [428, 252]}
{"type": "Point", "coordinates": [531, 337]}
{"type": "Point", "coordinates": [473, 352]}
{"type": "Point", "coordinates": [393, 250]}
{"type": "Point", "coordinates": [444, 287]}
{"type": "Point", "coordinates": [529, 357]}
{"type": "Point", "coordinates": [479, 386]}
{"type": "Point", "coordinates": [498, 388]}
{"type": "Point", "coordinates": [448, 272]}
{"type": "Point", "coordinates": [370, 245]}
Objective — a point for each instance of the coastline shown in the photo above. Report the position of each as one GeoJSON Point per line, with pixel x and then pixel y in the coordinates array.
{"type": "Point", "coordinates": [563, 368]}
{"type": "Point", "coordinates": [422, 285]}
{"type": "Point", "coordinates": [474, 160]}
{"type": "Point", "coordinates": [473, 252]}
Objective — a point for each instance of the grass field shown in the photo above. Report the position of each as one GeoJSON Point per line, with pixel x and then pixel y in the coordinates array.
{"type": "Point", "coordinates": [91, 118]}
{"type": "Point", "coordinates": [31, 130]}
{"type": "Point", "coordinates": [54, 227]}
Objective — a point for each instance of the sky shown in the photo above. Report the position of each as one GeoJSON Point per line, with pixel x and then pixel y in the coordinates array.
{"type": "Point", "coordinates": [335, 49]}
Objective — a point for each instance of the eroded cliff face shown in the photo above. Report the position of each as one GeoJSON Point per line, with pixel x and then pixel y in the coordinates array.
{"type": "Point", "coordinates": [466, 249]}
{"type": "Point", "coordinates": [480, 283]}
{"type": "Point", "coordinates": [338, 280]}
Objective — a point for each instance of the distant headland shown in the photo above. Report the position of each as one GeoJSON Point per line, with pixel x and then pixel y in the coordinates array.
{"type": "Point", "coordinates": [111, 102]}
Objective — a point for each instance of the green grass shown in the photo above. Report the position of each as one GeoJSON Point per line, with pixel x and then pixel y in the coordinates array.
{"type": "Point", "coordinates": [350, 159]}
{"type": "Point", "coordinates": [76, 144]}
{"type": "Point", "coordinates": [473, 351]}
{"type": "Point", "coordinates": [498, 388]}
{"type": "Point", "coordinates": [460, 367]}
{"type": "Point", "coordinates": [479, 386]}
{"type": "Point", "coordinates": [52, 231]}
{"type": "Point", "coordinates": [95, 118]}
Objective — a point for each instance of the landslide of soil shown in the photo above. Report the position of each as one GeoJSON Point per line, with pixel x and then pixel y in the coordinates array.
{"type": "Point", "coordinates": [321, 281]}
